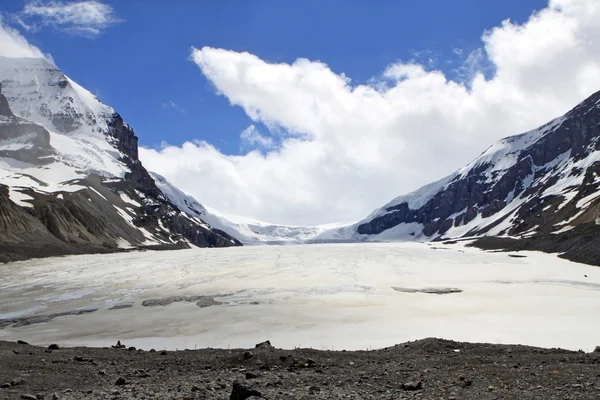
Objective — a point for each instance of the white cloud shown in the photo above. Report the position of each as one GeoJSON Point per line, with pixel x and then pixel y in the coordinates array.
{"type": "Point", "coordinates": [252, 138]}
{"type": "Point", "coordinates": [347, 149]}
{"type": "Point", "coordinates": [14, 45]}
{"type": "Point", "coordinates": [173, 105]}
{"type": "Point", "coordinates": [86, 18]}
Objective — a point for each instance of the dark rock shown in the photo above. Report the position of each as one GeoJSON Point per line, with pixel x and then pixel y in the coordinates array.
{"type": "Point", "coordinates": [264, 345]}
{"type": "Point", "coordinates": [242, 392]}
{"type": "Point", "coordinates": [28, 397]}
{"type": "Point", "coordinates": [247, 355]}
{"type": "Point", "coordinates": [163, 353]}
{"type": "Point", "coordinates": [5, 385]}
{"type": "Point", "coordinates": [250, 375]}
{"type": "Point", "coordinates": [465, 383]}
{"type": "Point", "coordinates": [131, 348]}
{"type": "Point", "coordinates": [53, 347]}
{"type": "Point", "coordinates": [21, 342]}
{"type": "Point", "coordinates": [597, 349]}
{"type": "Point", "coordinates": [121, 382]}
{"type": "Point", "coordinates": [102, 372]}
{"type": "Point", "coordinates": [17, 382]}
{"type": "Point", "coordinates": [121, 306]}
{"type": "Point", "coordinates": [412, 386]}
{"type": "Point", "coordinates": [314, 389]}
{"type": "Point", "coordinates": [119, 345]}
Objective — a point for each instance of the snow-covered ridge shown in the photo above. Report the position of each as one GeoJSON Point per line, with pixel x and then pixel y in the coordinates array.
{"type": "Point", "coordinates": [496, 194]}
{"type": "Point", "coordinates": [40, 92]}
{"type": "Point", "coordinates": [66, 154]}
{"type": "Point", "coordinates": [246, 230]}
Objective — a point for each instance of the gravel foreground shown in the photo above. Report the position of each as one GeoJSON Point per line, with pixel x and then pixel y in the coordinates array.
{"type": "Point", "coordinates": [425, 369]}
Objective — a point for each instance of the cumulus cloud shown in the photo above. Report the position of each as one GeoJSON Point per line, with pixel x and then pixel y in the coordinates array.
{"type": "Point", "coordinates": [347, 148]}
{"type": "Point", "coordinates": [14, 45]}
{"type": "Point", "coordinates": [86, 18]}
{"type": "Point", "coordinates": [171, 104]}
{"type": "Point", "coordinates": [251, 138]}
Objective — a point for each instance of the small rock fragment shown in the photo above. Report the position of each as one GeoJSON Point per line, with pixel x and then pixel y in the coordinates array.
{"type": "Point", "coordinates": [17, 382]}
{"type": "Point", "coordinates": [250, 375]}
{"type": "Point", "coordinates": [242, 392]}
{"type": "Point", "coordinates": [465, 383]}
{"type": "Point", "coordinates": [121, 381]}
{"type": "Point", "coordinates": [411, 386]}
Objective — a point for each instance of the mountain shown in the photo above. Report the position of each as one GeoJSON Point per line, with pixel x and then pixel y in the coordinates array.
{"type": "Point", "coordinates": [246, 230]}
{"type": "Point", "coordinates": [541, 187]}
{"type": "Point", "coordinates": [70, 177]}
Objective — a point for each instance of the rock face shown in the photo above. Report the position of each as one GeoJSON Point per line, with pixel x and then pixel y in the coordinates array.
{"type": "Point", "coordinates": [546, 181]}
{"type": "Point", "coordinates": [73, 182]}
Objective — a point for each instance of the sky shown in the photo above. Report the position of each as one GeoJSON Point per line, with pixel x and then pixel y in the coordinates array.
{"type": "Point", "coordinates": [310, 112]}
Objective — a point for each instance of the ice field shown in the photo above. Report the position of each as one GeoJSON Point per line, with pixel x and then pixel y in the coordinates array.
{"type": "Point", "coordinates": [326, 296]}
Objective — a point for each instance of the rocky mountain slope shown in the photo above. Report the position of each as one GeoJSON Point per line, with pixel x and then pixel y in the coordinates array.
{"type": "Point", "coordinates": [70, 177]}
{"type": "Point", "coordinates": [543, 185]}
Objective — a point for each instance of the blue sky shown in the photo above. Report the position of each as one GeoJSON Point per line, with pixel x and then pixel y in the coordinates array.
{"type": "Point", "coordinates": [141, 66]}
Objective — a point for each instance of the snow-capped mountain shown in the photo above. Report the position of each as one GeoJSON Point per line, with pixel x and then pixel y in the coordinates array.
{"type": "Point", "coordinates": [246, 230]}
{"type": "Point", "coordinates": [541, 183]}
{"type": "Point", "coordinates": [69, 167]}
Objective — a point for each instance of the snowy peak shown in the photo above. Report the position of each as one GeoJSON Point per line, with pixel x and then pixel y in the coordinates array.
{"type": "Point", "coordinates": [72, 163]}
{"type": "Point", "coordinates": [543, 181]}
{"type": "Point", "coordinates": [40, 92]}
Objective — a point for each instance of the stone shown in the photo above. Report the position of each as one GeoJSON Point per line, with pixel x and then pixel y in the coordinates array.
{"type": "Point", "coordinates": [25, 396]}
{"type": "Point", "coordinates": [412, 386]}
{"type": "Point", "coordinates": [597, 349]}
{"type": "Point", "coordinates": [21, 342]}
{"type": "Point", "coordinates": [17, 382]}
{"type": "Point", "coordinates": [465, 383]}
{"type": "Point", "coordinates": [250, 375]}
{"type": "Point", "coordinates": [121, 381]}
{"type": "Point", "coordinates": [5, 385]}
{"type": "Point", "coordinates": [247, 355]}
{"type": "Point", "coordinates": [242, 392]}
{"type": "Point", "coordinates": [53, 347]}
{"type": "Point", "coordinates": [264, 345]}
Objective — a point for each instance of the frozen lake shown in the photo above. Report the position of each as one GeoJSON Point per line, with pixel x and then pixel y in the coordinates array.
{"type": "Point", "coordinates": [329, 296]}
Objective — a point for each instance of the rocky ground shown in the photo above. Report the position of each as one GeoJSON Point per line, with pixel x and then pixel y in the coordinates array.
{"type": "Point", "coordinates": [425, 369]}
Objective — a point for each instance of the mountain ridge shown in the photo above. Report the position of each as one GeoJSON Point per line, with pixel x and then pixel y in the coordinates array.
{"type": "Point", "coordinates": [72, 164]}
